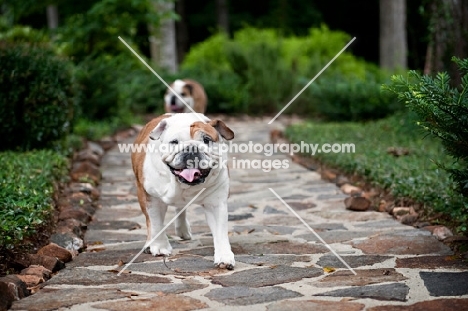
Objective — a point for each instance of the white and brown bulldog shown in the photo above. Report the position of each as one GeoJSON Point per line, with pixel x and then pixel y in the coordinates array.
{"type": "Point", "coordinates": [190, 91]}
{"type": "Point", "coordinates": [176, 171]}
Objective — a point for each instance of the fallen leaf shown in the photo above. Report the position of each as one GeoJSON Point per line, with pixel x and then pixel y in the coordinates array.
{"type": "Point", "coordinates": [96, 243]}
{"type": "Point", "coordinates": [329, 269]}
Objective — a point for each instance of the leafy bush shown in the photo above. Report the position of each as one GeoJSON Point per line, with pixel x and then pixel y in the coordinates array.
{"type": "Point", "coordinates": [307, 55]}
{"type": "Point", "coordinates": [264, 76]}
{"type": "Point", "coordinates": [140, 91]}
{"type": "Point", "coordinates": [266, 70]}
{"type": "Point", "coordinates": [26, 190]}
{"type": "Point", "coordinates": [114, 87]}
{"type": "Point", "coordinates": [94, 31]}
{"type": "Point", "coordinates": [38, 97]}
{"type": "Point", "coordinates": [207, 63]}
{"type": "Point", "coordinates": [414, 176]}
{"type": "Point", "coordinates": [98, 85]}
{"type": "Point", "coordinates": [341, 99]}
{"type": "Point", "coordinates": [443, 112]}
{"type": "Point", "coordinates": [24, 34]}
{"type": "Point", "coordinates": [208, 55]}
{"type": "Point", "coordinates": [225, 90]}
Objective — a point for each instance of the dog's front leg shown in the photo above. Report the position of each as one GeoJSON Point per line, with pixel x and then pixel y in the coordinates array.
{"type": "Point", "coordinates": [217, 219]}
{"type": "Point", "coordinates": [156, 211]}
{"type": "Point", "coordinates": [182, 226]}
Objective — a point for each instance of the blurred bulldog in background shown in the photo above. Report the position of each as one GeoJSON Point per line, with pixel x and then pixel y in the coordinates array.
{"type": "Point", "coordinates": [190, 91]}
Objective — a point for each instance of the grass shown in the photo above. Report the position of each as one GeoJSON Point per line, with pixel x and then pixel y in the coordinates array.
{"type": "Point", "coordinates": [27, 182]}
{"type": "Point", "coordinates": [415, 176]}
{"type": "Point", "coordinates": [95, 130]}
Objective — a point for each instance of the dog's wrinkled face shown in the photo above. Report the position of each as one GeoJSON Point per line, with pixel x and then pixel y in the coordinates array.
{"type": "Point", "coordinates": [184, 90]}
{"type": "Point", "coordinates": [189, 147]}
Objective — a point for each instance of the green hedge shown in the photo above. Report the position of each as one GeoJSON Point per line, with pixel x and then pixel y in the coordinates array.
{"type": "Point", "coordinates": [26, 190]}
{"type": "Point", "coordinates": [38, 97]}
{"type": "Point", "coordinates": [260, 71]}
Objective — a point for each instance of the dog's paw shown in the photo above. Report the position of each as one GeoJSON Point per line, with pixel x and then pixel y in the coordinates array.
{"type": "Point", "coordinates": [182, 228]}
{"type": "Point", "coordinates": [184, 233]}
{"type": "Point", "coordinates": [158, 250]}
{"type": "Point", "coordinates": [225, 260]}
{"type": "Point", "coordinates": [222, 265]}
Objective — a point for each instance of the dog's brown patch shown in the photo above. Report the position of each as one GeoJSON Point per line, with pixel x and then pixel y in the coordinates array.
{"type": "Point", "coordinates": [205, 128]}
{"type": "Point", "coordinates": [198, 93]}
{"type": "Point", "coordinates": [214, 128]}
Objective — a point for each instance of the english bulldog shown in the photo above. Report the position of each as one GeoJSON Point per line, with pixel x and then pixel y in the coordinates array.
{"type": "Point", "coordinates": [173, 173]}
{"type": "Point", "coordinates": [190, 91]}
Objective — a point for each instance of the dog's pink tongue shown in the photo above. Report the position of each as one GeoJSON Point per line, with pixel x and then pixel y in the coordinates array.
{"type": "Point", "coordinates": [189, 174]}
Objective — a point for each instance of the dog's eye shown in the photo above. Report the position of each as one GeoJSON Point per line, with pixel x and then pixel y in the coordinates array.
{"type": "Point", "coordinates": [174, 142]}
{"type": "Point", "coordinates": [182, 94]}
{"type": "Point", "coordinates": [207, 140]}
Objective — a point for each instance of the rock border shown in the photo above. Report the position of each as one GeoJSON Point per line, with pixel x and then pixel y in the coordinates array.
{"type": "Point", "coordinates": [367, 198]}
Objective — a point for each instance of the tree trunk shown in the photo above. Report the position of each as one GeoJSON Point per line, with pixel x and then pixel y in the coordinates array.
{"type": "Point", "coordinates": [52, 16]}
{"type": "Point", "coordinates": [222, 14]}
{"type": "Point", "coordinates": [163, 47]}
{"type": "Point", "coordinates": [181, 31]}
{"type": "Point", "coordinates": [393, 43]}
{"type": "Point", "coordinates": [448, 37]}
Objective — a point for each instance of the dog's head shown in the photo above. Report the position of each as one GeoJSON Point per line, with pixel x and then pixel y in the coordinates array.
{"type": "Point", "coordinates": [190, 147]}
{"type": "Point", "coordinates": [184, 90]}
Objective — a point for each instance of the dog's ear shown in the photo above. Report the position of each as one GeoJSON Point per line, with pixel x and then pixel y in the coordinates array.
{"type": "Point", "coordinates": [158, 130]}
{"type": "Point", "coordinates": [189, 87]}
{"type": "Point", "coordinates": [222, 129]}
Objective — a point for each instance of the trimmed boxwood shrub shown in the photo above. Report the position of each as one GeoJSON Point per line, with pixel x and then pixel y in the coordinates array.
{"type": "Point", "coordinates": [26, 189]}
{"type": "Point", "coordinates": [37, 97]}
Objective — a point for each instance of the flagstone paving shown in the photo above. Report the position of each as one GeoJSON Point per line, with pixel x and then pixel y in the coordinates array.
{"type": "Point", "coordinates": [280, 264]}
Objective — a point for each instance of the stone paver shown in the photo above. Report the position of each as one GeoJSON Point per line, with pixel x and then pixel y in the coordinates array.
{"type": "Point", "coordinates": [280, 264]}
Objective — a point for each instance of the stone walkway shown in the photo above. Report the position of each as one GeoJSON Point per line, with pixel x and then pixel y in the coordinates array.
{"type": "Point", "coordinates": [280, 264]}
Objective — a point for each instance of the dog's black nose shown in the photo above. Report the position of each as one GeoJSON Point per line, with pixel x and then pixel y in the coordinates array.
{"type": "Point", "coordinates": [173, 99]}
{"type": "Point", "coordinates": [192, 155]}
